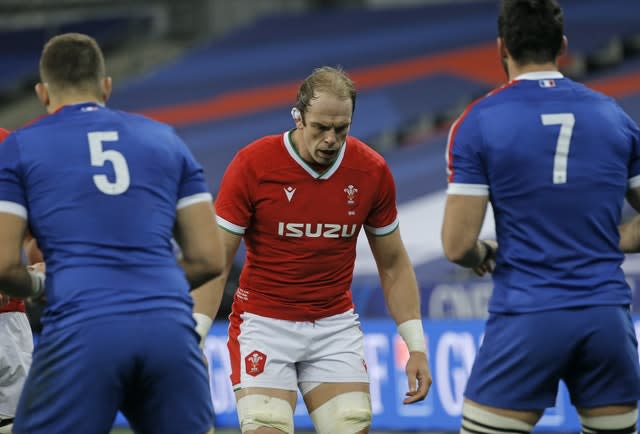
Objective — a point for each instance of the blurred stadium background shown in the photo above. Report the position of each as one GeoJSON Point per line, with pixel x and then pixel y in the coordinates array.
{"type": "Point", "coordinates": [224, 72]}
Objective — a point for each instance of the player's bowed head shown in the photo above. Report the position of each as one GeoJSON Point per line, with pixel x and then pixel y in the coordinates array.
{"type": "Point", "coordinates": [72, 70]}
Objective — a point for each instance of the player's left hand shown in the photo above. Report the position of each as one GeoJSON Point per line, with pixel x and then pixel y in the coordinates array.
{"type": "Point", "coordinates": [3, 299]}
{"type": "Point", "coordinates": [419, 377]}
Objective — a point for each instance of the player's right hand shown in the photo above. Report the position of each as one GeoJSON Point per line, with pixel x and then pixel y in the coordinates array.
{"type": "Point", "coordinates": [489, 264]}
{"type": "Point", "coordinates": [41, 268]}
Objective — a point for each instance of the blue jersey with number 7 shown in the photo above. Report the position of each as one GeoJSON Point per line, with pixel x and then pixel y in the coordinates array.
{"type": "Point", "coordinates": [100, 189]}
{"type": "Point", "coordinates": [555, 159]}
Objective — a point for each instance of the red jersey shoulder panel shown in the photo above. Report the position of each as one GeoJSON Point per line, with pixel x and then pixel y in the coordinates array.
{"type": "Point", "coordinates": [14, 305]}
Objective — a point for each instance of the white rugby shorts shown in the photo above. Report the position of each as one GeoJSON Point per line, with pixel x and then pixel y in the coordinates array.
{"type": "Point", "coordinates": [281, 354]}
{"type": "Point", "coordinates": [16, 346]}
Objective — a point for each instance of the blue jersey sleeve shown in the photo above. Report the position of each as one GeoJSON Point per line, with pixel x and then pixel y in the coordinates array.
{"type": "Point", "coordinates": [193, 185]}
{"type": "Point", "coordinates": [466, 169]}
{"type": "Point", "coordinates": [12, 192]}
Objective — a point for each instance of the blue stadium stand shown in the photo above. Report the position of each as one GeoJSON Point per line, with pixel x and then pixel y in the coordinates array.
{"type": "Point", "coordinates": [20, 50]}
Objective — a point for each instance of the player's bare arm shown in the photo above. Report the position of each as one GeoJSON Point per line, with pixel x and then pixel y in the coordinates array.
{"type": "Point", "coordinates": [403, 301]}
{"type": "Point", "coordinates": [207, 298]}
{"type": "Point", "coordinates": [200, 241]}
{"type": "Point", "coordinates": [15, 279]}
{"type": "Point", "coordinates": [630, 231]}
{"type": "Point", "coordinates": [463, 218]}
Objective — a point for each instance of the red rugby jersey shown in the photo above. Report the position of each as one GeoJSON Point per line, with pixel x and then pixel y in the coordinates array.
{"type": "Point", "coordinates": [14, 305]}
{"type": "Point", "coordinates": [300, 226]}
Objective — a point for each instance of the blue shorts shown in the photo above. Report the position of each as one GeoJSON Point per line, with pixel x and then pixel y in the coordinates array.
{"type": "Point", "coordinates": [148, 366]}
{"type": "Point", "coordinates": [523, 357]}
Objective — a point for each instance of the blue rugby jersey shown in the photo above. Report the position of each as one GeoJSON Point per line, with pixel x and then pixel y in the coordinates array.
{"type": "Point", "coordinates": [556, 159]}
{"type": "Point", "coordinates": [100, 189]}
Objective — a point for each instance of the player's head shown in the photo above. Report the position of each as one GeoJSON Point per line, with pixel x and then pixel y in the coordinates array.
{"type": "Point", "coordinates": [322, 114]}
{"type": "Point", "coordinates": [72, 69]}
{"type": "Point", "coordinates": [531, 31]}
{"type": "Point", "coordinates": [325, 79]}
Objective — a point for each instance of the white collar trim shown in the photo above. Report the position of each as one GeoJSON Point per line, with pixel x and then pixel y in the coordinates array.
{"type": "Point", "coordinates": [539, 75]}
{"type": "Point", "coordinates": [327, 174]}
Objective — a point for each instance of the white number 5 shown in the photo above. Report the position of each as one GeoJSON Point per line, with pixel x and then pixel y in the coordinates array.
{"type": "Point", "coordinates": [566, 122]}
{"type": "Point", "coordinates": [99, 157]}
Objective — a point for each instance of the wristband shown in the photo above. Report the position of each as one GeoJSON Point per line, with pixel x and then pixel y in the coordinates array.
{"type": "Point", "coordinates": [413, 335]}
{"type": "Point", "coordinates": [203, 324]}
{"type": "Point", "coordinates": [37, 283]}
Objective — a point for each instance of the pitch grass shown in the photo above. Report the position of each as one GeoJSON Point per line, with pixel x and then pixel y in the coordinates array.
{"type": "Point", "coordinates": [226, 431]}
{"type": "Point", "coordinates": [127, 431]}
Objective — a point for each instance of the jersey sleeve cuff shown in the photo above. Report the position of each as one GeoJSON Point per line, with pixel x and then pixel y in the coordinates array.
{"type": "Point", "coordinates": [385, 230]}
{"type": "Point", "coordinates": [231, 227]}
{"type": "Point", "coordinates": [193, 199]}
{"type": "Point", "coordinates": [13, 208]}
{"type": "Point", "coordinates": [468, 189]}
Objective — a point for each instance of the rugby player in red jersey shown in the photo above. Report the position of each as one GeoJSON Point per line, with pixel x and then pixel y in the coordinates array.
{"type": "Point", "coordinates": [16, 346]}
{"type": "Point", "coordinates": [299, 200]}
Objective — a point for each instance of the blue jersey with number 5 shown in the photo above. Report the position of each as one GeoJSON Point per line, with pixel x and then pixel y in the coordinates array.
{"type": "Point", "coordinates": [556, 159]}
{"type": "Point", "coordinates": [100, 189]}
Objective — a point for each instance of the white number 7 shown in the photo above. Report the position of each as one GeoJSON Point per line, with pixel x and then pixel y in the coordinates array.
{"type": "Point", "coordinates": [566, 122]}
{"type": "Point", "coordinates": [99, 157]}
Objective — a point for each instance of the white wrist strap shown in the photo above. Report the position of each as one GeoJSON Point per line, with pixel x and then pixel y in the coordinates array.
{"type": "Point", "coordinates": [413, 335]}
{"type": "Point", "coordinates": [37, 283]}
{"type": "Point", "coordinates": [203, 324]}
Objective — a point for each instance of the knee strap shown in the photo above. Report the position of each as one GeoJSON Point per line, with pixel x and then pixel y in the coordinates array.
{"type": "Point", "coordinates": [256, 410]}
{"type": "Point", "coordinates": [6, 426]}
{"type": "Point", "coordinates": [622, 423]}
{"type": "Point", "coordinates": [480, 421]}
{"type": "Point", "coordinates": [346, 413]}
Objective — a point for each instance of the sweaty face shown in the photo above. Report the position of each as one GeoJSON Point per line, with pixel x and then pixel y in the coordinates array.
{"type": "Point", "coordinates": [326, 126]}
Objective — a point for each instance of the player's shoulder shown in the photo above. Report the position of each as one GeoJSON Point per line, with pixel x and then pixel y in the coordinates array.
{"type": "Point", "coordinates": [487, 100]}
{"type": "Point", "coordinates": [361, 155]}
{"type": "Point", "coordinates": [261, 150]}
{"type": "Point", "coordinates": [142, 121]}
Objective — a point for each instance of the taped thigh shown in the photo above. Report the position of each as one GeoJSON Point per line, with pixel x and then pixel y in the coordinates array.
{"type": "Point", "coordinates": [476, 420]}
{"type": "Point", "coordinates": [6, 426]}
{"type": "Point", "coordinates": [258, 410]}
{"type": "Point", "coordinates": [624, 423]}
{"type": "Point", "coordinates": [346, 413]}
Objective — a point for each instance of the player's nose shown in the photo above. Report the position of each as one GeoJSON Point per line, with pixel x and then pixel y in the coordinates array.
{"type": "Point", "coordinates": [330, 138]}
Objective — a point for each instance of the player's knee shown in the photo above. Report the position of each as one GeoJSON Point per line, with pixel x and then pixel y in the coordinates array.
{"type": "Point", "coordinates": [257, 410]}
{"type": "Point", "coordinates": [480, 421]}
{"type": "Point", "coordinates": [624, 423]}
{"type": "Point", "coordinates": [346, 413]}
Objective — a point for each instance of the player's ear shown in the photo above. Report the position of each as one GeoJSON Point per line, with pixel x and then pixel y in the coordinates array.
{"type": "Point", "coordinates": [42, 90]}
{"type": "Point", "coordinates": [297, 117]}
{"type": "Point", "coordinates": [504, 56]}
{"type": "Point", "coordinates": [107, 86]}
{"type": "Point", "coordinates": [502, 49]}
{"type": "Point", "coordinates": [564, 46]}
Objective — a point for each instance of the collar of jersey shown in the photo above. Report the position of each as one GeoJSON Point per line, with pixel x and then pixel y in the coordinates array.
{"type": "Point", "coordinates": [78, 105]}
{"type": "Point", "coordinates": [310, 170]}
{"type": "Point", "coordinates": [539, 75]}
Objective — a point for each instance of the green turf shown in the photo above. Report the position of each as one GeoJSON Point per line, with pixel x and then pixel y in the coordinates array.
{"type": "Point", "coordinates": [127, 431]}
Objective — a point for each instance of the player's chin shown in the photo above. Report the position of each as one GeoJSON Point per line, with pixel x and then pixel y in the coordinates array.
{"type": "Point", "coordinates": [325, 158]}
